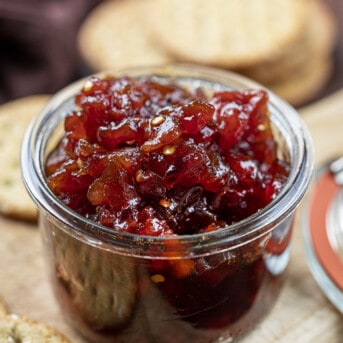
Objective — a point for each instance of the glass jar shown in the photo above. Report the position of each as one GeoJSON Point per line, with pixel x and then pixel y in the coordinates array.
{"type": "Point", "coordinates": [115, 286]}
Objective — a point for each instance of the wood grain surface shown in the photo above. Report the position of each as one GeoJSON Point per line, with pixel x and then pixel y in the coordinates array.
{"type": "Point", "coordinates": [301, 314]}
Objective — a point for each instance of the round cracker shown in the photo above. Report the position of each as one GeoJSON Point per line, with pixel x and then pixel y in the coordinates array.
{"type": "Point", "coordinates": [114, 36]}
{"type": "Point", "coordinates": [19, 329]}
{"type": "Point", "coordinates": [226, 33]}
{"type": "Point", "coordinates": [98, 285]}
{"type": "Point", "coordinates": [14, 118]}
{"type": "Point", "coordinates": [302, 85]}
{"type": "Point", "coordinates": [316, 41]}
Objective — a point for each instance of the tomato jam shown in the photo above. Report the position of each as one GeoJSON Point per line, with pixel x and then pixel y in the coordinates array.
{"type": "Point", "coordinates": [156, 159]}
{"type": "Point", "coordinates": [151, 158]}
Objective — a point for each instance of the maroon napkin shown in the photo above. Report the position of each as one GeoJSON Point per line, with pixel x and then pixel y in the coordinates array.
{"type": "Point", "coordinates": [38, 52]}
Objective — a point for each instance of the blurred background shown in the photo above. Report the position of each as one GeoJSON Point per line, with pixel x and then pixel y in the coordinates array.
{"type": "Point", "coordinates": [38, 52]}
{"type": "Point", "coordinates": [46, 44]}
{"type": "Point", "coordinates": [336, 80]}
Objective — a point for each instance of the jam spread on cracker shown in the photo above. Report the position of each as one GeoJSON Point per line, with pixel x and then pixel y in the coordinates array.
{"type": "Point", "coordinates": [156, 159]}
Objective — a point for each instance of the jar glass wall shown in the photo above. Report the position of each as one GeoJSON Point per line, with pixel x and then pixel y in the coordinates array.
{"type": "Point", "coordinates": [200, 288]}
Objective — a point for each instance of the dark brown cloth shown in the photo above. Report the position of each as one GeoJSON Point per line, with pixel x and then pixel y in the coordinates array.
{"type": "Point", "coordinates": [38, 52]}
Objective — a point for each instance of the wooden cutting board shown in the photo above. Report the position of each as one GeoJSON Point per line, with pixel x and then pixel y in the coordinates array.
{"type": "Point", "coordinates": [301, 314]}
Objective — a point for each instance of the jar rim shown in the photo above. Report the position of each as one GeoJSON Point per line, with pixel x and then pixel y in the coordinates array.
{"type": "Point", "coordinates": [32, 167]}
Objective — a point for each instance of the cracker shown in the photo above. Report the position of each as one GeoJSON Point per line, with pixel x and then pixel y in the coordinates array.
{"type": "Point", "coordinates": [98, 285]}
{"type": "Point", "coordinates": [14, 118]}
{"type": "Point", "coordinates": [113, 36]}
{"type": "Point", "coordinates": [19, 329]}
{"type": "Point", "coordinates": [305, 83]}
{"type": "Point", "coordinates": [226, 33]}
{"type": "Point", "coordinates": [316, 41]}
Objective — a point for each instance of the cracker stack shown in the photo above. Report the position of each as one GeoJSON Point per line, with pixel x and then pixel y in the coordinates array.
{"type": "Point", "coordinates": [284, 44]}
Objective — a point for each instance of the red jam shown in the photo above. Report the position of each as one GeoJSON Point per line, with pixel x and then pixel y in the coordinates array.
{"type": "Point", "coordinates": [156, 159]}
